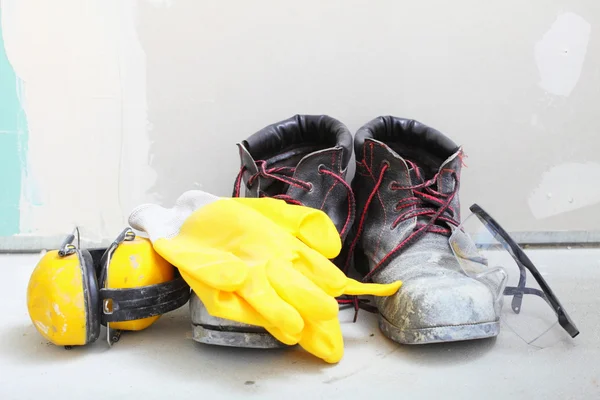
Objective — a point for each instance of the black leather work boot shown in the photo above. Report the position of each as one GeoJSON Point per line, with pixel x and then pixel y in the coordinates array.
{"type": "Point", "coordinates": [406, 187]}
{"type": "Point", "coordinates": [302, 160]}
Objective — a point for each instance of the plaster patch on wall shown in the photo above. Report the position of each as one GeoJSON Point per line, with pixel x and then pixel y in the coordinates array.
{"type": "Point", "coordinates": [86, 111]}
{"type": "Point", "coordinates": [13, 141]}
{"type": "Point", "coordinates": [30, 193]}
{"type": "Point", "coordinates": [136, 176]}
{"type": "Point", "coordinates": [564, 188]}
{"type": "Point", "coordinates": [561, 52]}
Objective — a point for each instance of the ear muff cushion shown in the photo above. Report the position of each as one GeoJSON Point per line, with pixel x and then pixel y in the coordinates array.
{"type": "Point", "coordinates": [99, 257]}
{"type": "Point", "coordinates": [91, 295]}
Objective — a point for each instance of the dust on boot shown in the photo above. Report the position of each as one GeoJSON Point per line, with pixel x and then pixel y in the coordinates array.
{"type": "Point", "coordinates": [407, 195]}
{"type": "Point", "coordinates": [302, 160]}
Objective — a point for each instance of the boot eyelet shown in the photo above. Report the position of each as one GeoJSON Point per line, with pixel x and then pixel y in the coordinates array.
{"type": "Point", "coordinates": [391, 184]}
{"type": "Point", "coordinates": [385, 162]}
{"type": "Point", "coordinates": [310, 187]}
{"type": "Point", "coordinates": [320, 169]}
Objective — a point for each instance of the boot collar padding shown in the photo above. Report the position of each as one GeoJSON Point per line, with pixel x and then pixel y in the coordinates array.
{"type": "Point", "coordinates": [320, 130]}
{"type": "Point", "coordinates": [393, 129]}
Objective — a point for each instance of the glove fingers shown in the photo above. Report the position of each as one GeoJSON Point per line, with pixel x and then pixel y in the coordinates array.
{"type": "Point", "coordinates": [225, 305]}
{"type": "Point", "coordinates": [259, 293]}
{"type": "Point", "coordinates": [356, 288]}
{"type": "Point", "coordinates": [284, 337]}
{"type": "Point", "coordinates": [323, 339]}
{"type": "Point", "coordinates": [300, 292]}
{"type": "Point", "coordinates": [317, 231]}
{"type": "Point", "coordinates": [333, 281]}
{"type": "Point", "coordinates": [311, 226]}
{"type": "Point", "coordinates": [234, 308]}
{"type": "Point", "coordinates": [321, 271]}
{"type": "Point", "coordinates": [218, 269]}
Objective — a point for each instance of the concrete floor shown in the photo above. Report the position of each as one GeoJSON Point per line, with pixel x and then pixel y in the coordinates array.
{"type": "Point", "coordinates": [163, 362]}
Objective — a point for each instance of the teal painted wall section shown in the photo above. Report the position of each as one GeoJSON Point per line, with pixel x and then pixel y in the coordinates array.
{"type": "Point", "coordinates": [13, 145]}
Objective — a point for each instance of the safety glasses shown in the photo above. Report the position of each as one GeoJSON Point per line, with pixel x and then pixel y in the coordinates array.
{"type": "Point", "coordinates": [486, 252]}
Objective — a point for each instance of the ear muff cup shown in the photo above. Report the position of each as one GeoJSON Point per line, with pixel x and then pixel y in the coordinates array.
{"type": "Point", "coordinates": [137, 286]}
{"type": "Point", "coordinates": [63, 300]}
{"type": "Point", "coordinates": [91, 295]}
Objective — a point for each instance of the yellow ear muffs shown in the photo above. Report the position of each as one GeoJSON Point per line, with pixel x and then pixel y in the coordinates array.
{"type": "Point", "coordinates": [128, 286]}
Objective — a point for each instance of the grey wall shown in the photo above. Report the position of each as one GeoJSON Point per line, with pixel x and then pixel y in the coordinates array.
{"type": "Point", "coordinates": [516, 83]}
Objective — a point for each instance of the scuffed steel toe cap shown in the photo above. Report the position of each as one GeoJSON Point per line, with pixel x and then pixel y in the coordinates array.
{"type": "Point", "coordinates": [223, 332]}
{"type": "Point", "coordinates": [438, 301]}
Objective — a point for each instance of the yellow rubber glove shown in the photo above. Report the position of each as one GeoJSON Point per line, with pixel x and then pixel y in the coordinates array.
{"type": "Point", "coordinates": [261, 262]}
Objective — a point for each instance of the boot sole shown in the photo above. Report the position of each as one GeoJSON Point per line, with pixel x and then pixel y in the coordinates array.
{"type": "Point", "coordinates": [220, 337]}
{"type": "Point", "coordinates": [439, 334]}
{"type": "Point", "coordinates": [222, 332]}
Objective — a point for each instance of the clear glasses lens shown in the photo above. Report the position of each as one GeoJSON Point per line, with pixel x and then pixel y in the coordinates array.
{"type": "Point", "coordinates": [521, 304]}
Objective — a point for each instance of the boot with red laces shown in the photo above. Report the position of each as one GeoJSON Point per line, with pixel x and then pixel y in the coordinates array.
{"type": "Point", "coordinates": [407, 194]}
{"type": "Point", "coordinates": [302, 160]}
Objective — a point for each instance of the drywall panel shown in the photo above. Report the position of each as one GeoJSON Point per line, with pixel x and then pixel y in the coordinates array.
{"type": "Point", "coordinates": [123, 102]}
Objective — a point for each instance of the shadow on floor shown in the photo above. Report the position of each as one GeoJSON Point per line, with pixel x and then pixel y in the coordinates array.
{"type": "Point", "coordinates": [167, 347]}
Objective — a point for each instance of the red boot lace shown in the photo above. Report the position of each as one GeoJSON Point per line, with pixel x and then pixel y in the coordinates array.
{"type": "Point", "coordinates": [425, 201]}
{"type": "Point", "coordinates": [286, 175]}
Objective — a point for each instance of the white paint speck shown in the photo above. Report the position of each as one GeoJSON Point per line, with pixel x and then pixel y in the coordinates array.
{"type": "Point", "coordinates": [435, 258]}
{"type": "Point", "coordinates": [57, 273]}
{"type": "Point", "coordinates": [42, 327]}
{"type": "Point", "coordinates": [134, 262]}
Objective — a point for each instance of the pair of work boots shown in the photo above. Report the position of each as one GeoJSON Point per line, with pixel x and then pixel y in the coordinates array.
{"type": "Point", "coordinates": [395, 220]}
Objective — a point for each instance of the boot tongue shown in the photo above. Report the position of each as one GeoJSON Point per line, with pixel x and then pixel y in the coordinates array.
{"type": "Point", "coordinates": [415, 172]}
{"type": "Point", "coordinates": [445, 183]}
